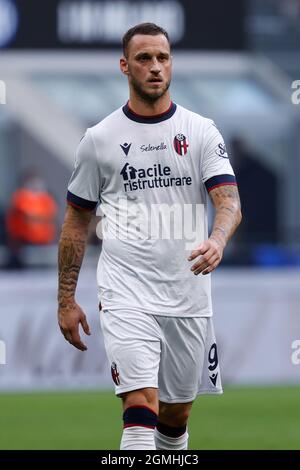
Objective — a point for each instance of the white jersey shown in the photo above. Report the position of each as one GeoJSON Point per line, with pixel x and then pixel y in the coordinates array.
{"type": "Point", "coordinates": [151, 176]}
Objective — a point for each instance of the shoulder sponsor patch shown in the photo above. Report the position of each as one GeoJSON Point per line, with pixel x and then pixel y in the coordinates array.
{"type": "Point", "coordinates": [221, 150]}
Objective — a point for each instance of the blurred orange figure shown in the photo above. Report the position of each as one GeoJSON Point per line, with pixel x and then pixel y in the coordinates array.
{"type": "Point", "coordinates": [31, 217]}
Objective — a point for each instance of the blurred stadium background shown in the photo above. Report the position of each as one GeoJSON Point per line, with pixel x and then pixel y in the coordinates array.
{"type": "Point", "coordinates": [236, 62]}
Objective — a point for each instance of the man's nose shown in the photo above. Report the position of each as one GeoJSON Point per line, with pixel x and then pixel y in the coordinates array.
{"type": "Point", "coordinates": [155, 66]}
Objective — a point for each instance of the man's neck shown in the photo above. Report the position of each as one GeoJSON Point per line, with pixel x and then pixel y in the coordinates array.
{"type": "Point", "coordinates": [143, 108]}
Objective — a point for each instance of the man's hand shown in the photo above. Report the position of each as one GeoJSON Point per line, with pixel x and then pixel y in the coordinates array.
{"type": "Point", "coordinates": [210, 252]}
{"type": "Point", "coordinates": [69, 317]}
{"type": "Point", "coordinates": [228, 216]}
{"type": "Point", "coordinates": [70, 255]}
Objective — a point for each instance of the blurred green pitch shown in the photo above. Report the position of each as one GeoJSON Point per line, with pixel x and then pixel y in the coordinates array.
{"type": "Point", "coordinates": [243, 418]}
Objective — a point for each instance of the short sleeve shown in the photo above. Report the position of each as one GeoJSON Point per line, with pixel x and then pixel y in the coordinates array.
{"type": "Point", "coordinates": [84, 185]}
{"type": "Point", "coordinates": [216, 168]}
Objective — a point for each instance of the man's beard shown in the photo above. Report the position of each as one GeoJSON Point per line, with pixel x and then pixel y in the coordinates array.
{"type": "Point", "coordinates": [148, 97]}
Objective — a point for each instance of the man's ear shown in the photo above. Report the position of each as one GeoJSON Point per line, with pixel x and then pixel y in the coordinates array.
{"type": "Point", "coordinates": [124, 65]}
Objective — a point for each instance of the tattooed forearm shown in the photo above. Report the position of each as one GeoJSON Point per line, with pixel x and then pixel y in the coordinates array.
{"type": "Point", "coordinates": [228, 213]}
{"type": "Point", "coordinates": [222, 230]}
{"type": "Point", "coordinates": [71, 252]}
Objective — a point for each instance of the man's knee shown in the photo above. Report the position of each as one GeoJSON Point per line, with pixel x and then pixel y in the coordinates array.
{"type": "Point", "coordinates": [146, 397]}
{"type": "Point", "coordinates": [174, 414]}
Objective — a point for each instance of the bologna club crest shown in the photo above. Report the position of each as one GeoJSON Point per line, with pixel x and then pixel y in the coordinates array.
{"type": "Point", "coordinates": [181, 144]}
{"type": "Point", "coordinates": [115, 374]}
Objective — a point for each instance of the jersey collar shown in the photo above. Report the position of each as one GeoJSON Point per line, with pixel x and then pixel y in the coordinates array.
{"type": "Point", "coordinates": [149, 119]}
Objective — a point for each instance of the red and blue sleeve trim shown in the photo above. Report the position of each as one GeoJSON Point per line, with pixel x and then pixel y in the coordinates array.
{"type": "Point", "coordinates": [220, 180]}
{"type": "Point", "coordinates": [79, 202]}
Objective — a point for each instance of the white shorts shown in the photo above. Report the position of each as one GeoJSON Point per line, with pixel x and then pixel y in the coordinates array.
{"type": "Point", "coordinates": [176, 355]}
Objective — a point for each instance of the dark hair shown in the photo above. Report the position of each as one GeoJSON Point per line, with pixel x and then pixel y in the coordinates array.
{"type": "Point", "coordinates": [150, 29]}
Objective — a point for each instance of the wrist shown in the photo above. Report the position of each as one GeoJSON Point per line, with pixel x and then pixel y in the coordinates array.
{"type": "Point", "coordinates": [64, 303]}
{"type": "Point", "coordinates": [219, 240]}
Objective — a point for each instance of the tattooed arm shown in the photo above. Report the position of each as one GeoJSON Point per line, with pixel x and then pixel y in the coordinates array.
{"type": "Point", "coordinates": [70, 255]}
{"type": "Point", "coordinates": [227, 218]}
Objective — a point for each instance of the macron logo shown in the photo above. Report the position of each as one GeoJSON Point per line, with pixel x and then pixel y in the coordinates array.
{"type": "Point", "coordinates": [125, 147]}
{"type": "Point", "coordinates": [213, 378]}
